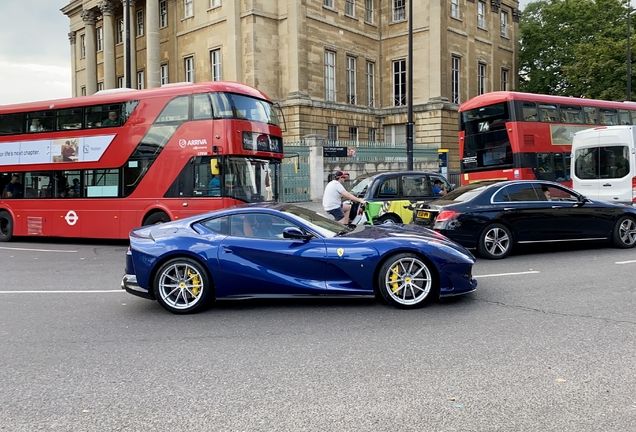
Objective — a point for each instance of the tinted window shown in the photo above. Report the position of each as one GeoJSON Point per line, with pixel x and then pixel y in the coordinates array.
{"type": "Point", "coordinates": [388, 188]}
{"type": "Point", "coordinates": [11, 124]}
{"type": "Point", "coordinates": [176, 110]}
{"type": "Point", "coordinates": [202, 107]}
{"type": "Point", "coordinates": [40, 121]}
{"type": "Point", "coordinates": [69, 118]}
{"type": "Point", "coordinates": [572, 114]}
{"type": "Point", "coordinates": [520, 192]}
{"type": "Point", "coordinates": [466, 193]}
{"type": "Point", "coordinates": [219, 225]}
{"type": "Point", "coordinates": [415, 186]}
{"type": "Point", "coordinates": [530, 112]}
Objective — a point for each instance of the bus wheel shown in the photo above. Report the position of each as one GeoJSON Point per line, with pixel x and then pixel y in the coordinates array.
{"type": "Point", "coordinates": [6, 226]}
{"type": "Point", "coordinates": [157, 218]}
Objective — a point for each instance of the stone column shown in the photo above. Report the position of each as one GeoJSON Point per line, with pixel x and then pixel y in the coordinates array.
{"type": "Point", "coordinates": [71, 37]}
{"type": "Point", "coordinates": [297, 49]}
{"type": "Point", "coordinates": [90, 17]}
{"type": "Point", "coordinates": [153, 71]}
{"type": "Point", "coordinates": [108, 9]}
{"type": "Point", "coordinates": [133, 42]}
{"type": "Point", "coordinates": [234, 42]}
{"type": "Point", "coordinates": [316, 166]}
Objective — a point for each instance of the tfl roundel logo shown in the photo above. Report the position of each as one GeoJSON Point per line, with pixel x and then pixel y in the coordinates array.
{"type": "Point", "coordinates": [182, 143]}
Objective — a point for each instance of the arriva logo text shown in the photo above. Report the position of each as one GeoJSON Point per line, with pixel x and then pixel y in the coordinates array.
{"type": "Point", "coordinates": [183, 143]}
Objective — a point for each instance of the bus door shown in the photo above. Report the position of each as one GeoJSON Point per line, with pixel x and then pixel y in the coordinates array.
{"type": "Point", "coordinates": [200, 187]}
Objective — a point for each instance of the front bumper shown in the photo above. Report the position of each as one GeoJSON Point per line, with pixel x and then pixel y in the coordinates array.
{"type": "Point", "coordinates": [129, 283]}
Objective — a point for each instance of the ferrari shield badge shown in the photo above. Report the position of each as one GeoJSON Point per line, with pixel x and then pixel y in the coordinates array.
{"type": "Point", "coordinates": [340, 252]}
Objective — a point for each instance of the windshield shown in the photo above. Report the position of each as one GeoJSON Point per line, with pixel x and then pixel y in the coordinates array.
{"type": "Point", "coordinates": [466, 193]}
{"type": "Point", "coordinates": [360, 186]}
{"type": "Point", "coordinates": [230, 105]}
{"type": "Point", "coordinates": [320, 224]}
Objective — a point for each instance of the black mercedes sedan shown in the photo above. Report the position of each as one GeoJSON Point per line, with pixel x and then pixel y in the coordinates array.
{"type": "Point", "coordinates": [494, 216]}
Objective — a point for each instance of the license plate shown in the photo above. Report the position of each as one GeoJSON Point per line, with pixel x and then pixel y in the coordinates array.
{"type": "Point", "coordinates": [423, 215]}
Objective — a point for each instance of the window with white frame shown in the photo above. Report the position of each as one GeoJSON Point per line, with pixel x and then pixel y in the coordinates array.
{"type": "Point", "coordinates": [100, 86]}
{"type": "Point", "coordinates": [328, 3]}
{"type": "Point", "coordinates": [332, 133]}
{"type": "Point", "coordinates": [120, 82]}
{"type": "Point", "coordinates": [215, 63]}
{"type": "Point", "coordinates": [353, 134]}
{"type": "Point", "coordinates": [215, 3]}
{"type": "Point", "coordinates": [399, 12]}
{"type": "Point", "coordinates": [455, 9]}
{"type": "Point", "coordinates": [163, 14]}
{"type": "Point", "coordinates": [481, 14]}
{"type": "Point", "coordinates": [164, 74]}
{"type": "Point", "coordinates": [330, 76]}
{"type": "Point", "coordinates": [372, 134]}
{"type": "Point", "coordinates": [350, 7]}
{"type": "Point", "coordinates": [455, 64]}
{"type": "Point", "coordinates": [399, 82]}
{"type": "Point", "coordinates": [188, 67]}
{"type": "Point", "coordinates": [368, 11]}
{"type": "Point", "coordinates": [100, 39]}
{"type": "Point", "coordinates": [481, 78]}
{"type": "Point", "coordinates": [370, 84]}
{"type": "Point", "coordinates": [141, 80]}
{"type": "Point", "coordinates": [504, 79]}
{"type": "Point", "coordinates": [140, 22]}
{"type": "Point", "coordinates": [188, 9]}
{"type": "Point", "coordinates": [82, 46]}
{"type": "Point", "coordinates": [120, 31]}
{"type": "Point", "coordinates": [395, 133]}
{"type": "Point", "coordinates": [504, 24]}
{"type": "Point", "coordinates": [351, 80]}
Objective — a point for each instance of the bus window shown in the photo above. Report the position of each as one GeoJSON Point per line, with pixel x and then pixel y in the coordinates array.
{"type": "Point", "coordinates": [591, 115]}
{"type": "Point", "coordinates": [100, 116]}
{"type": "Point", "coordinates": [608, 116]}
{"type": "Point", "coordinates": [571, 114]}
{"type": "Point", "coordinates": [102, 183]}
{"type": "Point", "coordinates": [69, 119]}
{"type": "Point", "coordinates": [548, 113]}
{"type": "Point", "coordinates": [561, 167]}
{"type": "Point", "coordinates": [11, 124]}
{"type": "Point", "coordinates": [175, 111]}
{"type": "Point", "coordinates": [530, 111]}
{"type": "Point", "coordinates": [544, 164]}
{"type": "Point", "coordinates": [624, 118]}
{"type": "Point", "coordinates": [202, 107]}
{"type": "Point", "coordinates": [41, 121]}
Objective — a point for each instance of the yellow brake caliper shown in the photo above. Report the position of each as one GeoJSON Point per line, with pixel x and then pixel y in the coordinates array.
{"type": "Point", "coordinates": [196, 281]}
{"type": "Point", "coordinates": [394, 277]}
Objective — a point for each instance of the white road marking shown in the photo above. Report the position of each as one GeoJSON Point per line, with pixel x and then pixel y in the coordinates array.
{"type": "Point", "coordinates": [507, 274]}
{"type": "Point", "coordinates": [625, 262]}
{"type": "Point", "coordinates": [63, 292]}
{"type": "Point", "coordinates": [38, 250]}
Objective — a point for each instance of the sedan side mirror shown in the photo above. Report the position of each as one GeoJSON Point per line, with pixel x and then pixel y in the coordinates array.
{"type": "Point", "coordinates": [296, 233]}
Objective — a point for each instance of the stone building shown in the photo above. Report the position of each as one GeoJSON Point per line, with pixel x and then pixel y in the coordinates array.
{"type": "Point", "coordinates": [337, 67]}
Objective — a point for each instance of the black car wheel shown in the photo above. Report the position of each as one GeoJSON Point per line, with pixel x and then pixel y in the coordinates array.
{"type": "Point", "coordinates": [182, 286]}
{"type": "Point", "coordinates": [625, 233]}
{"type": "Point", "coordinates": [6, 226]}
{"type": "Point", "coordinates": [495, 242]}
{"type": "Point", "coordinates": [407, 281]}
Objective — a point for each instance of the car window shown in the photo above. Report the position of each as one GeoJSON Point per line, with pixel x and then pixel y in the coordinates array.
{"type": "Point", "coordinates": [549, 192]}
{"type": "Point", "coordinates": [415, 186]}
{"type": "Point", "coordinates": [220, 225]}
{"type": "Point", "coordinates": [257, 225]}
{"type": "Point", "coordinates": [466, 193]}
{"type": "Point", "coordinates": [519, 192]}
{"type": "Point", "coordinates": [388, 188]}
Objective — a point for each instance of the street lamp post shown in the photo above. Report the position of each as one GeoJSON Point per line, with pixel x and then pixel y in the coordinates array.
{"type": "Point", "coordinates": [127, 52]}
{"type": "Point", "coordinates": [409, 121]}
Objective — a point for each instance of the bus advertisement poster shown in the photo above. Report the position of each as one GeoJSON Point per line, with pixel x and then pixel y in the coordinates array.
{"type": "Point", "coordinates": [83, 149]}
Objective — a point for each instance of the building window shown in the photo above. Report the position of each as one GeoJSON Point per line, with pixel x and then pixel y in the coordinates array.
{"type": "Point", "coordinates": [163, 14]}
{"type": "Point", "coordinates": [332, 133]}
{"type": "Point", "coordinates": [188, 10]}
{"type": "Point", "coordinates": [120, 82]}
{"type": "Point", "coordinates": [455, 80]}
{"type": "Point", "coordinates": [141, 80]}
{"type": "Point", "coordinates": [164, 74]}
{"type": "Point", "coordinates": [120, 31]}
{"type": "Point", "coordinates": [399, 82]}
{"type": "Point", "coordinates": [100, 39]}
{"type": "Point", "coordinates": [351, 80]}
{"type": "Point", "coordinates": [399, 14]}
{"type": "Point", "coordinates": [215, 3]}
{"type": "Point", "coordinates": [83, 91]}
{"type": "Point", "coordinates": [82, 46]}
{"type": "Point", "coordinates": [368, 11]}
{"type": "Point", "coordinates": [328, 3]}
{"type": "Point", "coordinates": [215, 62]}
{"type": "Point", "coordinates": [140, 22]}
{"type": "Point", "coordinates": [372, 135]}
{"type": "Point", "coordinates": [504, 79]}
{"type": "Point", "coordinates": [188, 66]}
{"type": "Point", "coordinates": [100, 86]}
{"type": "Point", "coordinates": [330, 76]}
{"type": "Point", "coordinates": [481, 78]}
{"type": "Point", "coordinates": [504, 24]}
{"type": "Point", "coordinates": [350, 8]}
{"type": "Point", "coordinates": [481, 15]}
{"type": "Point", "coordinates": [353, 134]}
{"type": "Point", "coordinates": [455, 9]}
{"type": "Point", "coordinates": [370, 84]}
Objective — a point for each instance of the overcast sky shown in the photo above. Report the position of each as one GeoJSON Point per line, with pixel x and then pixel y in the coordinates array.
{"type": "Point", "coordinates": [35, 53]}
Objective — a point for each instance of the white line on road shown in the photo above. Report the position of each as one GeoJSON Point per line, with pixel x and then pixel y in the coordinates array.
{"type": "Point", "coordinates": [38, 250]}
{"type": "Point", "coordinates": [507, 274]}
{"type": "Point", "coordinates": [62, 292]}
{"type": "Point", "coordinates": [625, 262]}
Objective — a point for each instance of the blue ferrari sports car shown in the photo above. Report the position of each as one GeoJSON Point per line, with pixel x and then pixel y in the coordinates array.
{"type": "Point", "coordinates": [282, 250]}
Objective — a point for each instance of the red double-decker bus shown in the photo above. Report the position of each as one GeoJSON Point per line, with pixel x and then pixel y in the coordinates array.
{"type": "Point", "coordinates": [98, 166]}
{"type": "Point", "coordinates": [511, 135]}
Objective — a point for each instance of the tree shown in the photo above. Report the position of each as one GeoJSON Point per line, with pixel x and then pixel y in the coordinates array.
{"type": "Point", "coordinates": [574, 48]}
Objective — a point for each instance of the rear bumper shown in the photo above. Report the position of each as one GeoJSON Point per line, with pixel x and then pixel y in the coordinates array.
{"type": "Point", "coordinates": [129, 283]}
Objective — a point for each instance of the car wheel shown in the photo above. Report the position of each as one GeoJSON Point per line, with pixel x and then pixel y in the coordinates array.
{"type": "Point", "coordinates": [495, 242]}
{"type": "Point", "coordinates": [6, 226]}
{"type": "Point", "coordinates": [157, 218]}
{"type": "Point", "coordinates": [182, 285]}
{"type": "Point", "coordinates": [625, 233]}
{"type": "Point", "coordinates": [407, 281]}
{"type": "Point", "coordinates": [389, 218]}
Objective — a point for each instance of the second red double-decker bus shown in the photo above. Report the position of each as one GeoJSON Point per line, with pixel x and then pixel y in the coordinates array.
{"type": "Point", "coordinates": [511, 135]}
{"type": "Point", "coordinates": [98, 166]}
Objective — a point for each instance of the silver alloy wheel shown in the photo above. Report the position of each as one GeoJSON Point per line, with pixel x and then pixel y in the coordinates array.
{"type": "Point", "coordinates": [408, 281]}
{"type": "Point", "coordinates": [181, 286]}
{"type": "Point", "coordinates": [627, 232]}
{"type": "Point", "coordinates": [496, 241]}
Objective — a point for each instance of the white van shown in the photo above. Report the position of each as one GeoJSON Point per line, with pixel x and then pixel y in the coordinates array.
{"type": "Point", "coordinates": [604, 163]}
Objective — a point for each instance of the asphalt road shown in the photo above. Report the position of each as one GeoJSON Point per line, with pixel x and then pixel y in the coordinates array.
{"type": "Point", "coordinates": [546, 343]}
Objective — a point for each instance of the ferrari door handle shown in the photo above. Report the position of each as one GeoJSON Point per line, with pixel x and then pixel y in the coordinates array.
{"type": "Point", "coordinates": [227, 249]}
{"type": "Point", "coordinates": [556, 207]}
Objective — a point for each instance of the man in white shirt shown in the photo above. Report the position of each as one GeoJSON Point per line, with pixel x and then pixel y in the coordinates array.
{"type": "Point", "coordinates": [332, 198]}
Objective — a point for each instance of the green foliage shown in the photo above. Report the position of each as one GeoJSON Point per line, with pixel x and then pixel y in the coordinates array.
{"type": "Point", "coordinates": [574, 48]}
